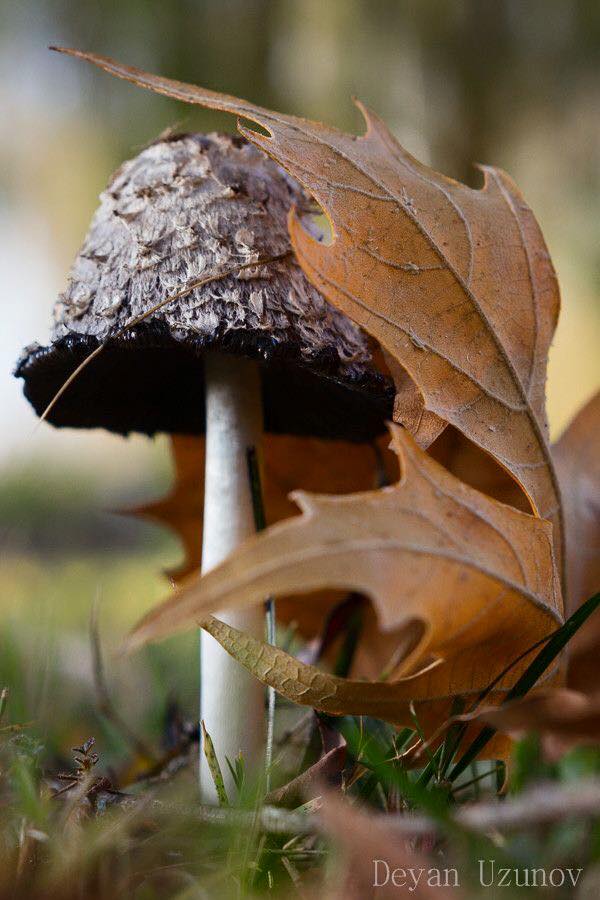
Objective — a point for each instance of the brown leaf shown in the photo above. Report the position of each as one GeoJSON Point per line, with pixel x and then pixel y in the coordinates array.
{"type": "Point", "coordinates": [362, 838]}
{"type": "Point", "coordinates": [331, 467]}
{"type": "Point", "coordinates": [409, 409]}
{"type": "Point", "coordinates": [477, 574]}
{"type": "Point", "coordinates": [288, 463]}
{"type": "Point", "coordinates": [578, 463]}
{"type": "Point", "coordinates": [566, 716]}
{"type": "Point", "coordinates": [456, 284]}
{"type": "Point", "coordinates": [308, 686]}
{"type": "Point", "coordinates": [472, 465]}
{"type": "Point", "coordinates": [182, 509]}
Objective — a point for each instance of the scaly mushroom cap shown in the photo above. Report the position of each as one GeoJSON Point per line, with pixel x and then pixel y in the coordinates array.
{"type": "Point", "coordinates": [186, 207]}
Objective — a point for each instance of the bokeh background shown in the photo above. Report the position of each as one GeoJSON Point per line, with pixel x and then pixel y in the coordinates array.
{"type": "Point", "coordinates": [507, 82]}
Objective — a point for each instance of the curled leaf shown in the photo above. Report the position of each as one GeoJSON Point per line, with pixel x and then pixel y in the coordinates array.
{"type": "Point", "coordinates": [287, 463]}
{"type": "Point", "coordinates": [307, 685]}
{"type": "Point", "coordinates": [478, 576]}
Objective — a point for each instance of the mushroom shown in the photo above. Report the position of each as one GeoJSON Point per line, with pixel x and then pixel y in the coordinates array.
{"type": "Point", "coordinates": [245, 345]}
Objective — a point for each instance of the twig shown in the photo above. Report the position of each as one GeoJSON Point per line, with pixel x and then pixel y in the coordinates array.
{"type": "Point", "coordinates": [270, 818]}
{"type": "Point", "coordinates": [292, 872]}
{"type": "Point", "coordinates": [540, 806]}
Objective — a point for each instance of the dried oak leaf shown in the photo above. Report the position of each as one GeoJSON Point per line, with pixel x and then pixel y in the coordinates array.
{"type": "Point", "coordinates": [288, 463]}
{"type": "Point", "coordinates": [563, 717]}
{"type": "Point", "coordinates": [577, 455]}
{"type": "Point", "coordinates": [182, 509]}
{"type": "Point", "coordinates": [456, 284]}
{"type": "Point", "coordinates": [478, 575]}
{"type": "Point", "coordinates": [578, 462]}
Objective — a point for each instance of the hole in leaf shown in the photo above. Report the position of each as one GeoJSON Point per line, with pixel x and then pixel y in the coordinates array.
{"type": "Point", "coordinates": [249, 126]}
{"type": "Point", "coordinates": [477, 468]}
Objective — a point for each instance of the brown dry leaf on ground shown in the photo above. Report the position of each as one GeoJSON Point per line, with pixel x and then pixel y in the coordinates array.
{"type": "Point", "coordinates": [182, 509]}
{"type": "Point", "coordinates": [291, 463]}
{"type": "Point", "coordinates": [563, 717]}
{"type": "Point", "coordinates": [577, 459]}
{"type": "Point", "coordinates": [456, 284]}
{"type": "Point", "coordinates": [362, 838]}
{"type": "Point", "coordinates": [288, 463]}
{"type": "Point", "coordinates": [478, 576]}
{"type": "Point", "coordinates": [577, 456]}
{"type": "Point", "coordinates": [391, 701]}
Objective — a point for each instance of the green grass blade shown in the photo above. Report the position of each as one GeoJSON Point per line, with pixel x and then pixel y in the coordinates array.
{"type": "Point", "coordinates": [432, 768]}
{"type": "Point", "coordinates": [214, 767]}
{"type": "Point", "coordinates": [453, 737]}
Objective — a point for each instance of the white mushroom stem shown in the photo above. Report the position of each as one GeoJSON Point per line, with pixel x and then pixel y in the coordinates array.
{"type": "Point", "coordinates": [232, 702]}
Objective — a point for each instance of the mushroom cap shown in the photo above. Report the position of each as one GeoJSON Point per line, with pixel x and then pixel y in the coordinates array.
{"type": "Point", "coordinates": [187, 207]}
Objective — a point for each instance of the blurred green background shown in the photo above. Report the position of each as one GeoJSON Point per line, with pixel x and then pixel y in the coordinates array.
{"type": "Point", "coordinates": [514, 83]}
